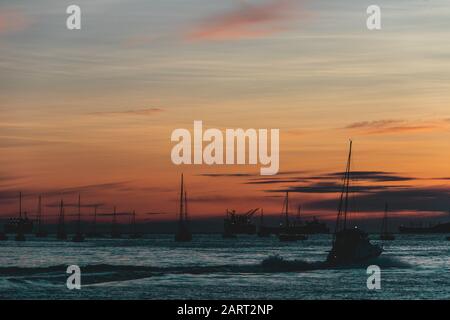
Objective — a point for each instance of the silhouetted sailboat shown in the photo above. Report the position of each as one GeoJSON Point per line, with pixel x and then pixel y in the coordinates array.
{"type": "Point", "coordinates": [20, 225]}
{"type": "Point", "coordinates": [115, 232]}
{"type": "Point", "coordinates": [288, 233]}
{"type": "Point", "coordinates": [385, 234]}
{"type": "Point", "coordinates": [263, 231]}
{"type": "Point", "coordinates": [133, 232]}
{"type": "Point", "coordinates": [41, 232]}
{"type": "Point", "coordinates": [183, 234]}
{"type": "Point", "coordinates": [349, 245]}
{"type": "Point", "coordinates": [93, 233]}
{"type": "Point", "coordinates": [78, 237]}
{"type": "Point", "coordinates": [20, 234]}
{"type": "Point", "coordinates": [61, 232]}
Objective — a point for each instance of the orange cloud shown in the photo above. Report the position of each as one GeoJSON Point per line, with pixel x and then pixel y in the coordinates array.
{"type": "Point", "coordinates": [247, 21]}
{"type": "Point", "coordinates": [12, 20]}
{"type": "Point", "coordinates": [137, 112]}
{"type": "Point", "coordinates": [395, 126]}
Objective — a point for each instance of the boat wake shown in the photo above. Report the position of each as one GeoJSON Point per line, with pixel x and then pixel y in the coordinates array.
{"type": "Point", "coordinates": [105, 273]}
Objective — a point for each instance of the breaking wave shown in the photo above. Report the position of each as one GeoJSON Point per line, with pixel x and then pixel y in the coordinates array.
{"type": "Point", "coordinates": [103, 273]}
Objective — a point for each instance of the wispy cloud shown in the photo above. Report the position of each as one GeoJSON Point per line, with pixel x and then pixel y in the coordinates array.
{"type": "Point", "coordinates": [13, 193]}
{"type": "Point", "coordinates": [432, 199]}
{"type": "Point", "coordinates": [133, 112]}
{"type": "Point", "coordinates": [329, 187]}
{"type": "Point", "coordinates": [368, 176]}
{"type": "Point", "coordinates": [395, 126]}
{"type": "Point", "coordinates": [221, 175]}
{"type": "Point", "coordinates": [240, 174]}
{"type": "Point", "coordinates": [246, 21]}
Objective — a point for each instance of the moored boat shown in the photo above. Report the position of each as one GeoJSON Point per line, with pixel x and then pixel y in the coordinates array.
{"type": "Point", "coordinates": [288, 233]}
{"type": "Point", "coordinates": [183, 234]}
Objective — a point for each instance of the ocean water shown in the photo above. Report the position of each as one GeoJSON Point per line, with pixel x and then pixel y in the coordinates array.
{"type": "Point", "coordinates": [209, 267]}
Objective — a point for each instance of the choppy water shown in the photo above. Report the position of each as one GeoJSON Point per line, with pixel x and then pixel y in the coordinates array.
{"type": "Point", "coordinates": [413, 267]}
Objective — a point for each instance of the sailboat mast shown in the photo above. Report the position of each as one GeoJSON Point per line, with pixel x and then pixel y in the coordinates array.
{"type": "Point", "coordinates": [39, 212]}
{"type": "Point", "coordinates": [79, 213]}
{"type": "Point", "coordinates": [185, 207]}
{"type": "Point", "coordinates": [20, 204]}
{"type": "Point", "coordinates": [181, 199]}
{"type": "Point", "coordinates": [287, 210]}
{"type": "Point", "coordinates": [61, 217]}
{"type": "Point", "coordinates": [348, 185]}
{"type": "Point", "coordinates": [343, 200]}
{"type": "Point", "coordinates": [95, 219]}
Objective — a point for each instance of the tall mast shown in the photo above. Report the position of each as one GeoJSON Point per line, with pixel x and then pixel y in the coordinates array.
{"type": "Point", "coordinates": [134, 222]}
{"type": "Point", "coordinates": [348, 185]}
{"type": "Point", "coordinates": [181, 199]}
{"type": "Point", "coordinates": [20, 204]}
{"type": "Point", "coordinates": [95, 219]}
{"type": "Point", "coordinates": [79, 213]}
{"type": "Point", "coordinates": [39, 212]}
{"type": "Point", "coordinates": [343, 200]}
{"type": "Point", "coordinates": [185, 207]}
{"type": "Point", "coordinates": [287, 209]}
{"type": "Point", "coordinates": [61, 217]}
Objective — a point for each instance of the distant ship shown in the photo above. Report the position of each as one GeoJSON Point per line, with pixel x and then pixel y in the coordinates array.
{"type": "Point", "coordinates": [20, 225]}
{"type": "Point", "coordinates": [235, 223]}
{"type": "Point", "coordinates": [385, 234]}
{"type": "Point", "coordinates": [438, 228]}
{"type": "Point", "coordinates": [313, 226]}
{"type": "Point", "coordinates": [350, 245]}
{"type": "Point", "coordinates": [419, 229]}
{"type": "Point", "coordinates": [183, 233]}
{"type": "Point", "coordinates": [288, 232]}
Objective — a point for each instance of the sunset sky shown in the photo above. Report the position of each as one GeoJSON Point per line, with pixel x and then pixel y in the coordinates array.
{"type": "Point", "coordinates": [91, 111]}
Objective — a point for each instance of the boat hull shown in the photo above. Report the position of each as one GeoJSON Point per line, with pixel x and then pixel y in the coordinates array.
{"type": "Point", "coordinates": [352, 246]}
{"type": "Point", "coordinates": [387, 237]}
{"type": "Point", "coordinates": [439, 228]}
{"type": "Point", "coordinates": [289, 237]}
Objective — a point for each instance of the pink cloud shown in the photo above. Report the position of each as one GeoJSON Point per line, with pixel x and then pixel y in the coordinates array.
{"type": "Point", "coordinates": [246, 21]}
{"type": "Point", "coordinates": [12, 20]}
